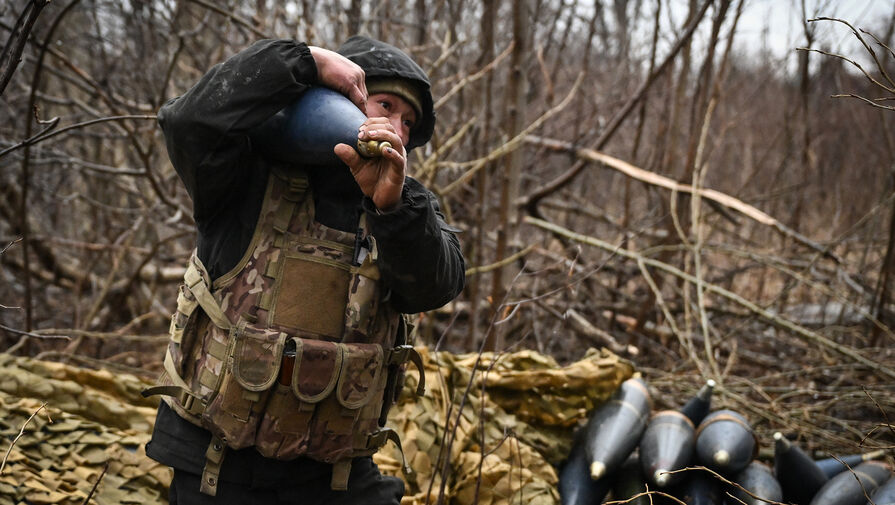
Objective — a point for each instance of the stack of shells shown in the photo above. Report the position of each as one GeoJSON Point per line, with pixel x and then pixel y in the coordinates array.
{"type": "Point", "coordinates": [642, 460]}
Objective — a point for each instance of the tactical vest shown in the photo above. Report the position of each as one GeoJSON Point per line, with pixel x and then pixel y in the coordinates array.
{"type": "Point", "coordinates": [294, 351]}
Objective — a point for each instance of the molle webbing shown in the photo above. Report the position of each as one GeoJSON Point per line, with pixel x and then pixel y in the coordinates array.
{"type": "Point", "coordinates": [227, 373]}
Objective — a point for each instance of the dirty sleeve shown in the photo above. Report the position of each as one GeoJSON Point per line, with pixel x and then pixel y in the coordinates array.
{"type": "Point", "coordinates": [420, 256]}
{"type": "Point", "coordinates": [206, 128]}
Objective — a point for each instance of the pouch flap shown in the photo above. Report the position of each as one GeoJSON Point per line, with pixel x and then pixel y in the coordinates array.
{"type": "Point", "coordinates": [361, 369]}
{"type": "Point", "coordinates": [257, 356]}
{"type": "Point", "coordinates": [316, 371]}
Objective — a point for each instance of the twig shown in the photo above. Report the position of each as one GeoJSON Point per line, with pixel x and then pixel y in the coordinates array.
{"type": "Point", "coordinates": [16, 241]}
{"type": "Point", "coordinates": [683, 337]}
{"type": "Point", "coordinates": [31, 334]}
{"type": "Point", "coordinates": [20, 435]}
{"type": "Point", "coordinates": [532, 200]}
{"type": "Point", "coordinates": [96, 484]}
{"type": "Point", "coordinates": [725, 481]}
{"type": "Point", "coordinates": [474, 77]}
{"type": "Point", "coordinates": [765, 314]}
{"type": "Point", "coordinates": [869, 49]}
{"type": "Point", "coordinates": [696, 247]}
{"type": "Point", "coordinates": [664, 182]}
{"type": "Point", "coordinates": [240, 21]}
{"type": "Point", "coordinates": [494, 266]}
{"type": "Point", "coordinates": [512, 144]}
{"type": "Point", "coordinates": [865, 100]}
{"type": "Point", "coordinates": [430, 163]}
{"type": "Point", "coordinates": [40, 137]}
{"type": "Point", "coordinates": [886, 424]}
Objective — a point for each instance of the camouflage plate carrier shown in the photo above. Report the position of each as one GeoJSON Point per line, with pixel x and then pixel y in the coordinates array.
{"type": "Point", "coordinates": [294, 351]}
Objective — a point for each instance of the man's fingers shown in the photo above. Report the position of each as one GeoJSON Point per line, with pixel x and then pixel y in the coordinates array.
{"type": "Point", "coordinates": [358, 97]}
{"type": "Point", "coordinates": [348, 156]}
{"type": "Point", "coordinates": [392, 154]}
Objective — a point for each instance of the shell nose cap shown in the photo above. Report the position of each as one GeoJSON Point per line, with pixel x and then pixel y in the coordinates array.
{"type": "Point", "coordinates": [597, 470]}
{"type": "Point", "coordinates": [721, 457]}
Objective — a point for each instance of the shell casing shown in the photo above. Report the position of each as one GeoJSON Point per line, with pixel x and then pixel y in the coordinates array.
{"type": "Point", "coordinates": [725, 442]}
{"type": "Point", "coordinates": [698, 407]}
{"type": "Point", "coordinates": [629, 482]}
{"type": "Point", "coordinates": [832, 466]}
{"type": "Point", "coordinates": [701, 488]}
{"type": "Point", "coordinates": [576, 487]}
{"type": "Point", "coordinates": [613, 430]}
{"type": "Point", "coordinates": [667, 445]}
{"type": "Point", "coordinates": [849, 487]}
{"type": "Point", "coordinates": [799, 476]}
{"type": "Point", "coordinates": [757, 479]}
{"type": "Point", "coordinates": [885, 494]}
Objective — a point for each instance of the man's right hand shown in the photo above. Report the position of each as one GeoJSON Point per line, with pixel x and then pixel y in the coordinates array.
{"type": "Point", "coordinates": [341, 74]}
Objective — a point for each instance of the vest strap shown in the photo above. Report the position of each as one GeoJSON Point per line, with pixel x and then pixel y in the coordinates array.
{"type": "Point", "coordinates": [341, 471]}
{"type": "Point", "coordinates": [197, 284]}
{"type": "Point", "coordinates": [179, 390]}
{"type": "Point", "coordinates": [402, 354]}
{"type": "Point", "coordinates": [378, 439]}
{"type": "Point", "coordinates": [214, 458]}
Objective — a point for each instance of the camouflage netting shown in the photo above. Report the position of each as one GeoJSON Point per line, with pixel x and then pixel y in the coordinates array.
{"type": "Point", "coordinates": [91, 419]}
{"type": "Point", "coordinates": [504, 447]}
{"type": "Point", "coordinates": [514, 425]}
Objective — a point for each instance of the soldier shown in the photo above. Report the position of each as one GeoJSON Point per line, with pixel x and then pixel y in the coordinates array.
{"type": "Point", "coordinates": [289, 339]}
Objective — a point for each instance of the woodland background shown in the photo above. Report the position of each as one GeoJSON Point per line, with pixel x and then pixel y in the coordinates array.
{"type": "Point", "coordinates": [623, 176]}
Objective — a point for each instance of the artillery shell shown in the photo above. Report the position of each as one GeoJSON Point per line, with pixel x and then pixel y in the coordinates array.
{"type": "Point", "coordinates": [700, 488]}
{"type": "Point", "coordinates": [849, 487]}
{"type": "Point", "coordinates": [629, 482]}
{"type": "Point", "coordinates": [799, 476]}
{"type": "Point", "coordinates": [614, 428]}
{"type": "Point", "coordinates": [725, 442]}
{"type": "Point", "coordinates": [575, 485]}
{"type": "Point", "coordinates": [667, 445]}
{"type": "Point", "coordinates": [758, 481]}
{"type": "Point", "coordinates": [833, 466]}
{"type": "Point", "coordinates": [698, 407]}
{"type": "Point", "coordinates": [885, 494]}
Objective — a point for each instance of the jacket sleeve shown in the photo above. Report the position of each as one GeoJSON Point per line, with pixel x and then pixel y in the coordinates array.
{"type": "Point", "coordinates": [420, 257]}
{"type": "Point", "coordinates": [206, 128]}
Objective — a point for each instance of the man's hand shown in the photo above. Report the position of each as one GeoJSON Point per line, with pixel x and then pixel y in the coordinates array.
{"type": "Point", "coordinates": [341, 74]}
{"type": "Point", "coordinates": [381, 179]}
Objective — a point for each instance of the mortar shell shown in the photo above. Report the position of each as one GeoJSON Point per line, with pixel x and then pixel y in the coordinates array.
{"type": "Point", "coordinates": [698, 407]}
{"type": "Point", "coordinates": [758, 480]}
{"type": "Point", "coordinates": [614, 428]}
{"type": "Point", "coordinates": [667, 445]}
{"type": "Point", "coordinates": [849, 487]}
{"type": "Point", "coordinates": [629, 482]}
{"type": "Point", "coordinates": [885, 494]}
{"type": "Point", "coordinates": [575, 485]}
{"type": "Point", "coordinates": [833, 466]}
{"type": "Point", "coordinates": [700, 488]}
{"type": "Point", "coordinates": [725, 442]}
{"type": "Point", "coordinates": [799, 476]}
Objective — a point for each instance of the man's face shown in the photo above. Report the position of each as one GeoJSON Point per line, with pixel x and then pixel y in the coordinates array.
{"type": "Point", "coordinates": [394, 108]}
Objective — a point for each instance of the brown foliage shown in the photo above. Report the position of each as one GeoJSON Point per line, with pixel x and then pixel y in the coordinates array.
{"type": "Point", "coordinates": [105, 225]}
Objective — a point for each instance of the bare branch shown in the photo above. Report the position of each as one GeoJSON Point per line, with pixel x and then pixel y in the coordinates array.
{"type": "Point", "coordinates": [879, 65]}
{"type": "Point", "coordinates": [45, 135]}
{"type": "Point", "coordinates": [12, 51]}
{"type": "Point", "coordinates": [20, 435]}
{"type": "Point", "coordinates": [799, 330]}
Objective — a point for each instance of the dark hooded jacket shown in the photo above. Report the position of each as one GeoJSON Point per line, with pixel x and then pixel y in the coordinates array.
{"type": "Point", "coordinates": [207, 135]}
{"type": "Point", "coordinates": [379, 60]}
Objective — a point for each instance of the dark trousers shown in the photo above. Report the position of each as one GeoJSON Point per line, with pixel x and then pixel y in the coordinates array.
{"type": "Point", "coordinates": [365, 486]}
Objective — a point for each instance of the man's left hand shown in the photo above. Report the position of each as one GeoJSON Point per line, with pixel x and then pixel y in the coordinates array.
{"type": "Point", "coordinates": [381, 178]}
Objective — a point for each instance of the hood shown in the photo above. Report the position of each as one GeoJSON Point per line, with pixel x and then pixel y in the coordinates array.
{"type": "Point", "coordinates": [379, 59]}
